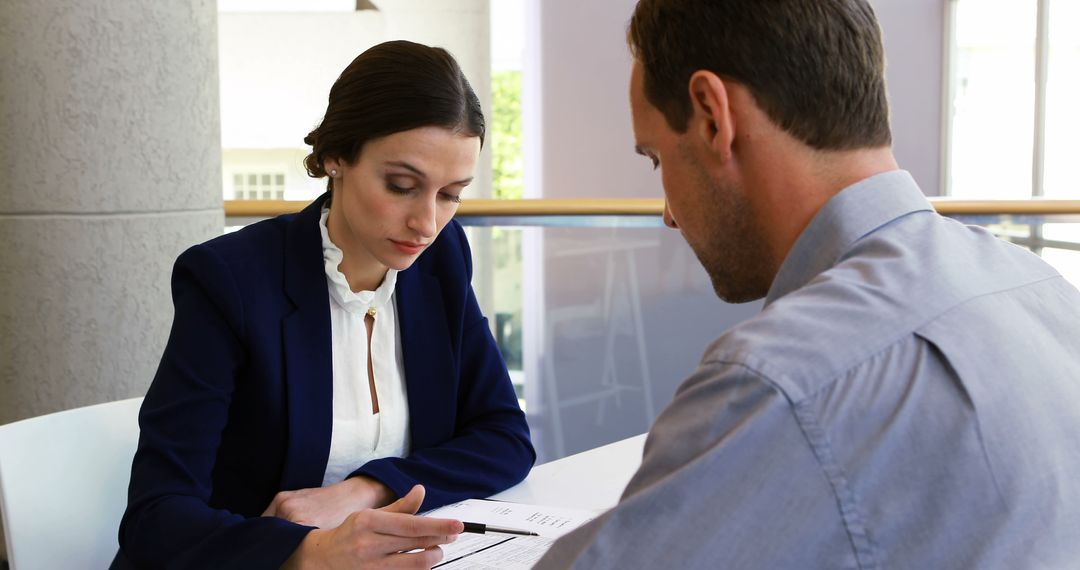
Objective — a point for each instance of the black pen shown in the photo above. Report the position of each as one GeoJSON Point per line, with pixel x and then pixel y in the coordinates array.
{"type": "Point", "coordinates": [481, 528]}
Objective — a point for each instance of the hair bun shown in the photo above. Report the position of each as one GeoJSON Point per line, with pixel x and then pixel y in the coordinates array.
{"type": "Point", "coordinates": [392, 87]}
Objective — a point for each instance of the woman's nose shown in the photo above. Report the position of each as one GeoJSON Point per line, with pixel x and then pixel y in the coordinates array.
{"type": "Point", "coordinates": [422, 218]}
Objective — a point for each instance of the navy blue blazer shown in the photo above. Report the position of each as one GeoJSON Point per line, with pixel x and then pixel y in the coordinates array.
{"type": "Point", "coordinates": [241, 405]}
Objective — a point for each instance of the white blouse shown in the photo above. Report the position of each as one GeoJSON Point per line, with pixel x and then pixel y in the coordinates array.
{"type": "Point", "coordinates": [358, 434]}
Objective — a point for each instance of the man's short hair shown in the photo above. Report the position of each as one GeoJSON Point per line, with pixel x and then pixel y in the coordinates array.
{"type": "Point", "coordinates": [815, 67]}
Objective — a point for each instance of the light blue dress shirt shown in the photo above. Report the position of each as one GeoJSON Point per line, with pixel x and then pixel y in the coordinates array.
{"type": "Point", "coordinates": [909, 397]}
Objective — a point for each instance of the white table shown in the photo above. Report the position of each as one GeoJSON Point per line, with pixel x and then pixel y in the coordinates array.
{"type": "Point", "coordinates": [592, 479]}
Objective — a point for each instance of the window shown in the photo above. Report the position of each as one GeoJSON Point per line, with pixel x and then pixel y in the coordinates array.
{"type": "Point", "coordinates": [1062, 93]}
{"type": "Point", "coordinates": [258, 186]}
{"type": "Point", "coordinates": [507, 163]}
{"type": "Point", "coordinates": [1011, 114]}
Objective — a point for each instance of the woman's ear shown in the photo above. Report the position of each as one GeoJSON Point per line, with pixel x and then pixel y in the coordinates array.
{"type": "Point", "coordinates": [332, 167]}
{"type": "Point", "coordinates": [711, 118]}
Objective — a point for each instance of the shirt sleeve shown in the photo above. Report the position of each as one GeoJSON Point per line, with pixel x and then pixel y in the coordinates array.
{"type": "Point", "coordinates": [728, 480]}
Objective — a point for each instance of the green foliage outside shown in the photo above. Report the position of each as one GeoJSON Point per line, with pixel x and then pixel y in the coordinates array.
{"type": "Point", "coordinates": [505, 134]}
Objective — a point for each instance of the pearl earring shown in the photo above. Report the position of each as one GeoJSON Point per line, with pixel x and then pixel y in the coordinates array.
{"type": "Point", "coordinates": [333, 172]}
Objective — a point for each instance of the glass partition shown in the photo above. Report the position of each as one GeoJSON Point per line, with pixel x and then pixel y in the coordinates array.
{"type": "Point", "coordinates": [1056, 238]}
{"type": "Point", "coordinates": [601, 317]}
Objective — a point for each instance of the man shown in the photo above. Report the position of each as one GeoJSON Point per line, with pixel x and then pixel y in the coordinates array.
{"type": "Point", "coordinates": [909, 397]}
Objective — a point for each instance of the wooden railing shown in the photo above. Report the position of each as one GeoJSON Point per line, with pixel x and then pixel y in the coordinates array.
{"type": "Point", "coordinates": [654, 207]}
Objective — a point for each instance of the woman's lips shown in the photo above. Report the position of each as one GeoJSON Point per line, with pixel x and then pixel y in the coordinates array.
{"type": "Point", "coordinates": [408, 247]}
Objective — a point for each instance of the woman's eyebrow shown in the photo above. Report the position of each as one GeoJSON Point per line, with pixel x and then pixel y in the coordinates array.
{"type": "Point", "coordinates": [408, 166]}
{"type": "Point", "coordinates": [420, 173]}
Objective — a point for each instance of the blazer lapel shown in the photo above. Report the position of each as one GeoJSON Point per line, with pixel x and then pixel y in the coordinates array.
{"type": "Point", "coordinates": [427, 350]}
{"type": "Point", "coordinates": [307, 352]}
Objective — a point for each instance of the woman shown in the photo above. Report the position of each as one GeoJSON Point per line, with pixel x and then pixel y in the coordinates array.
{"type": "Point", "coordinates": [324, 363]}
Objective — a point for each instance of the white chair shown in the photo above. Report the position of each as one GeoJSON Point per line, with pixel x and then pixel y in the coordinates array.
{"type": "Point", "coordinates": [63, 485]}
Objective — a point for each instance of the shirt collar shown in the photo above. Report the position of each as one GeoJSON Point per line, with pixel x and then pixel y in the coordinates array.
{"type": "Point", "coordinates": [354, 302]}
{"type": "Point", "coordinates": [848, 216]}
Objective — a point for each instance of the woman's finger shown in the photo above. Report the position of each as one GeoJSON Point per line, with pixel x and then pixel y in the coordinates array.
{"type": "Point", "coordinates": [389, 543]}
{"type": "Point", "coordinates": [422, 559]}
{"type": "Point", "coordinates": [400, 524]}
{"type": "Point", "coordinates": [410, 503]}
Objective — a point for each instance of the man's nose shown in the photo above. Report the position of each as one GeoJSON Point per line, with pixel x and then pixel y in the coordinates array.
{"type": "Point", "coordinates": [669, 220]}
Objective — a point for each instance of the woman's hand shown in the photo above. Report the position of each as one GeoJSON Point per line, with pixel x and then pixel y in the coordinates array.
{"type": "Point", "coordinates": [390, 537]}
{"type": "Point", "coordinates": [328, 507]}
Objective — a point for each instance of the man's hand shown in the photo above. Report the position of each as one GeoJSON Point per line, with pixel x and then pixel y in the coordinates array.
{"type": "Point", "coordinates": [390, 537]}
{"type": "Point", "coordinates": [327, 507]}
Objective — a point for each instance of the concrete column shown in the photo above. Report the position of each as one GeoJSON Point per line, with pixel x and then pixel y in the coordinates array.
{"type": "Point", "coordinates": [110, 166]}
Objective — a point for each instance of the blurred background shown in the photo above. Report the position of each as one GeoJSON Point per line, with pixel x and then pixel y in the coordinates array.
{"type": "Point", "coordinates": [128, 125]}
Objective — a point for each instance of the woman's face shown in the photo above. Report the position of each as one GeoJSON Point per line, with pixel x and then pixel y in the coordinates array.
{"type": "Point", "coordinates": [394, 200]}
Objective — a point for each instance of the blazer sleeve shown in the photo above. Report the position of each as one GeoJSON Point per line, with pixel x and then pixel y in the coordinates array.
{"type": "Point", "coordinates": [490, 449]}
{"type": "Point", "coordinates": [168, 521]}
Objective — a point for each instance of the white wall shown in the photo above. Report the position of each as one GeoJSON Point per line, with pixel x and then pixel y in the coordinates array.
{"type": "Point", "coordinates": [277, 68]}
{"type": "Point", "coordinates": [276, 71]}
{"type": "Point", "coordinates": [587, 144]}
{"type": "Point", "coordinates": [914, 45]}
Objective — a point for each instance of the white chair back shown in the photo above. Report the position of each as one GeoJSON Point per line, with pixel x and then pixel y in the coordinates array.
{"type": "Point", "coordinates": [63, 485]}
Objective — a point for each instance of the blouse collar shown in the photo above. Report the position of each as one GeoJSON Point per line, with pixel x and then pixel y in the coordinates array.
{"type": "Point", "coordinates": [354, 302]}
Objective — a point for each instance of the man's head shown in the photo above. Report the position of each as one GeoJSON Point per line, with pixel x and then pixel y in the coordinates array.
{"type": "Point", "coordinates": [758, 110]}
{"type": "Point", "coordinates": [816, 67]}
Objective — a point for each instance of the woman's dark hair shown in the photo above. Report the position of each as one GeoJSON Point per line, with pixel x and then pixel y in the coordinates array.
{"type": "Point", "coordinates": [392, 87]}
{"type": "Point", "coordinates": [816, 67]}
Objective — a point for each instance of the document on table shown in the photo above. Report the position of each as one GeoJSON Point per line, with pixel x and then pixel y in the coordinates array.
{"type": "Point", "coordinates": [504, 551]}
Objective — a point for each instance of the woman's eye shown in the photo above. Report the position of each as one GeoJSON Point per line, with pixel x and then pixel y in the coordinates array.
{"type": "Point", "coordinates": [450, 197]}
{"type": "Point", "coordinates": [398, 189]}
{"type": "Point", "coordinates": [655, 162]}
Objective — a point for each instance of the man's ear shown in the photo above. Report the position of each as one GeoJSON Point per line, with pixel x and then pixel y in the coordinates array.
{"type": "Point", "coordinates": [711, 117]}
